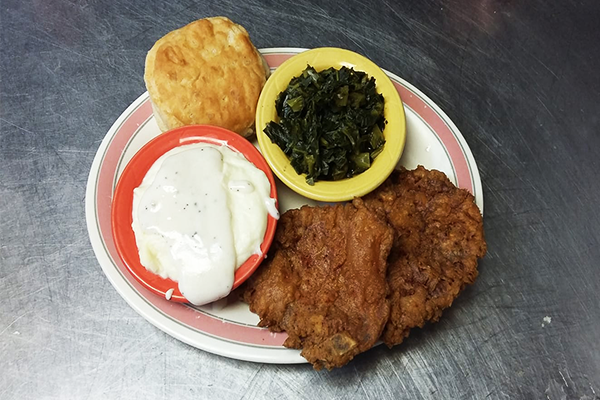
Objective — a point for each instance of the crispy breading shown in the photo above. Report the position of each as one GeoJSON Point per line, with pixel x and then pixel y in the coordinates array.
{"type": "Point", "coordinates": [315, 285]}
{"type": "Point", "coordinates": [324, 282]}
{"type": "Point", "coordinates": [439, 237]}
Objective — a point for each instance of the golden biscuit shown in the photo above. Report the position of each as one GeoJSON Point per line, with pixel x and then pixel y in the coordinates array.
{"type": "Point", "coordinates": [207, 72]}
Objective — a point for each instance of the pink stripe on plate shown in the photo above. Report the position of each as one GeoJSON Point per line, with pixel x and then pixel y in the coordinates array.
{"type": "Point", "coordinates": [442, 130]}
{"type": "Point", "coordinates": [108, 169]}
{"type": "Point", "coordinates": [275, 60]}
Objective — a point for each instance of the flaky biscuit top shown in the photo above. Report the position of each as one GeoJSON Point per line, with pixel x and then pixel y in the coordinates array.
{"type": "Point", "coordinates": [207, 72]}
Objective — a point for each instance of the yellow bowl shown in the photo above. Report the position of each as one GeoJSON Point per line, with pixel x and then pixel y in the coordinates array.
{"type": "Point", "coordinates": [394, 132]}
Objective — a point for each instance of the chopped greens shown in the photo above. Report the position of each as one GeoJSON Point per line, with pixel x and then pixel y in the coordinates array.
{"type": "Point", "coordinates": [330, 123]}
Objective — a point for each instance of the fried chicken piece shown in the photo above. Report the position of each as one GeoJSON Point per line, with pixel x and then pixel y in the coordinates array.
{"type": "Point", "coordinates": [439, 237]}
{"type": "Point", "coordinates": [324, 282]}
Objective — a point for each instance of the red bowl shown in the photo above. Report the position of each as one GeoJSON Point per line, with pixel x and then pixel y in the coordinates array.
{"type": "Point", "coordinates": [131, 178]}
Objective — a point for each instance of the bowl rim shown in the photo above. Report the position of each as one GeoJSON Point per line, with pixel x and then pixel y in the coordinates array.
{"type": "Point", "coordinates": [383, 165]}
{"type": "Point", "coordinates": [132, 176]}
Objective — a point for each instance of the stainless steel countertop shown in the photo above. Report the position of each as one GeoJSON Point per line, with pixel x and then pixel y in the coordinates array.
{"type": "Point", "coordinates": [519, 79]}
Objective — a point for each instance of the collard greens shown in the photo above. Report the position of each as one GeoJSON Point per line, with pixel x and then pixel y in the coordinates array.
{"type": "Point", "coordinates": [330, 123]}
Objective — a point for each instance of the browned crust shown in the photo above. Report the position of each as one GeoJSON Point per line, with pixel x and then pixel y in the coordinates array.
{"type": "Point", "coordinates": [439, 238]}
{"type": "Point", "coordinates": [324, 282]}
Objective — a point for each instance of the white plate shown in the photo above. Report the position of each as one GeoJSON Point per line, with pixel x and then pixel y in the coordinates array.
{"type": "Point", "coordinates": [229, 328]}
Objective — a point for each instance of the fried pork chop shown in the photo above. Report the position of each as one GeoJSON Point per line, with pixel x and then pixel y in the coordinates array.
{"type": "Point", "coordinates": [439, 237]}
{"type": "Point", "coordinates": [324, 282]}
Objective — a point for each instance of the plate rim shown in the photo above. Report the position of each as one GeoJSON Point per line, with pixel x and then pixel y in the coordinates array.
{"type": "Point", "coordinates": [278, 355]}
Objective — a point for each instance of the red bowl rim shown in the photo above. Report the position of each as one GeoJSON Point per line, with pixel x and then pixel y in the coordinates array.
{"type": "Point", "coordinates": [134, 173]}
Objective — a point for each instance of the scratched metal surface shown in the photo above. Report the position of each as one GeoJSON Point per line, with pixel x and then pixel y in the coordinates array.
{"type": "Point", "coordinates": [520, 79]}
